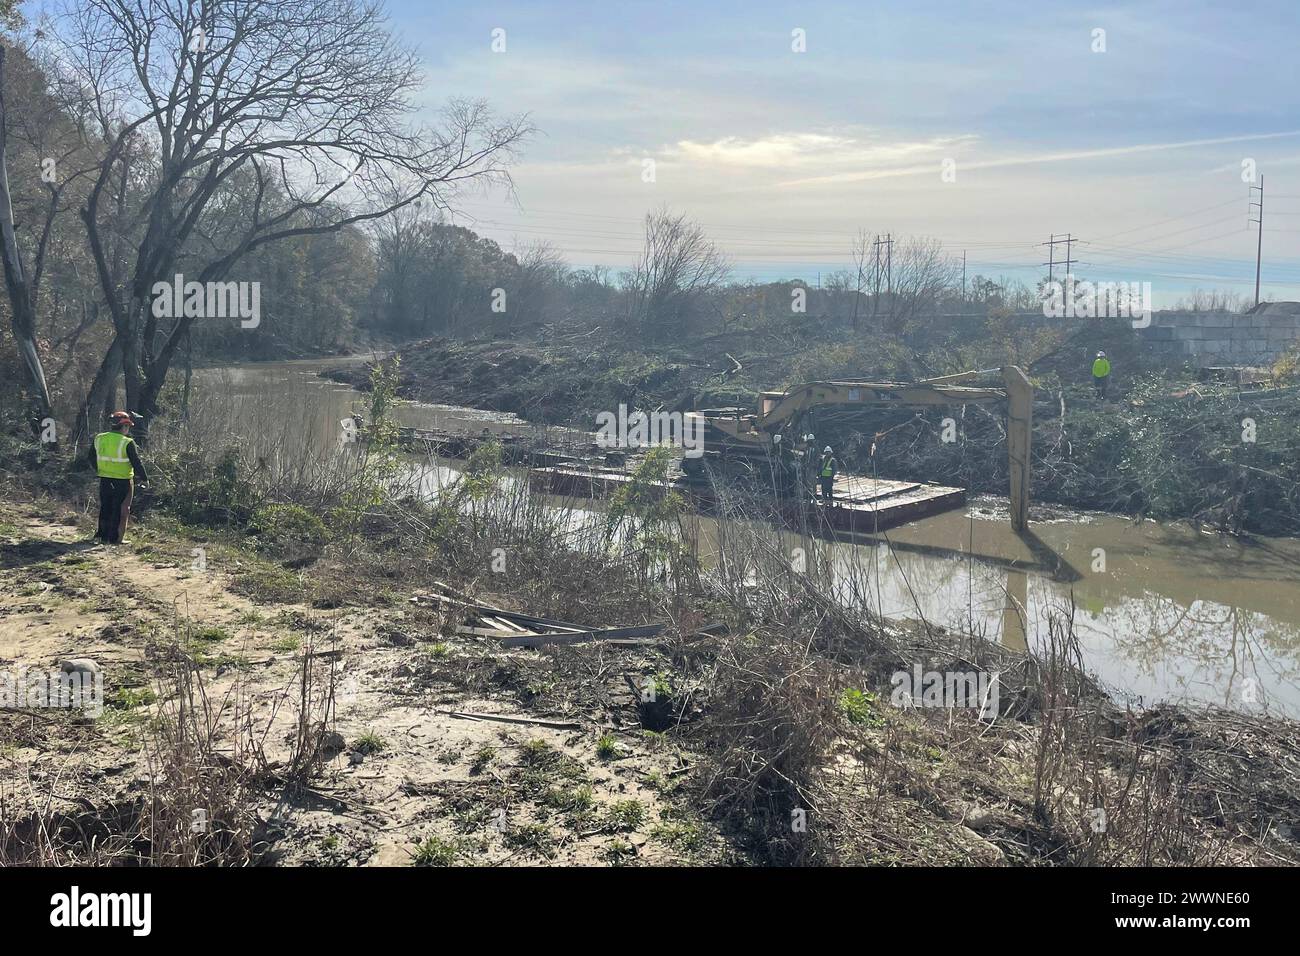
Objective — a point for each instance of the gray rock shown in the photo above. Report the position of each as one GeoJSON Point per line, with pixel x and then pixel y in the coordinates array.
{"type": "Point", "coordinates": [79, 665]}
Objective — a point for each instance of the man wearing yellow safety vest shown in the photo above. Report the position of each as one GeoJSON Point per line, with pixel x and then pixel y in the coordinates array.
{"type": "Point", "coordinates": [1101, 374]}
{"type": "Point", "coordinates": [826, 474]}
{"type": "Point", "coordinates": [116, 462]}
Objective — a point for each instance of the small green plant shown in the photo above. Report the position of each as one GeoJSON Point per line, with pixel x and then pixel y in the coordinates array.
{"type": "Point", "coordinates": [471, 816]}
{"type": "Point", "coordinates": [624, 815]}
{"type": "Point", "coordinates": [369, 743]}
{"type": "Point", "coordinates": [532, 836]}
{"type": "Point", "coordinates": [858, 707]}
{"type": "Point", "coordinates": [129, 698]}
{"type": "Point", "coordinates": [380, 462]}
{"type": "Point", "coordinates": [537, 752]}
{"type": "Point", "coordinates": [684, 835]}
{"type": "Point", "coordinates": [435, 851]}
{"type": "Point", "coordinates": [607, 747]}
{"type": "Point", "coordinates": [482, 757]}
{"type": "Point", "coordinates": [577, 799]}
{"type": "Point", "coordinates": [619, 852]}
{"type": "Point", "coordinates": [226, 661]}
{"type": "Point", "coordinates": [644, 512]}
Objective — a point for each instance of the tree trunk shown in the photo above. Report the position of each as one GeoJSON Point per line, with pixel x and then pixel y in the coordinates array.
{"type": "Point", "coordinates": [16, 282]}
{"type": "Point", "coordinates": [103, 389]}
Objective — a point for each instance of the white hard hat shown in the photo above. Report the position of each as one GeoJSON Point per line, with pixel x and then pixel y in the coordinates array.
{"type": "Point", "coordinates": [827, 448]}
{"type": "Point", "coordinates": [1101, 355]}
{"type": "Point", "coordinates": [776, 439]}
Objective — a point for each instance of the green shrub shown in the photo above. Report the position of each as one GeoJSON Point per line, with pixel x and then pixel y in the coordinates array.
{"type": "Point", "coordinates": [200, 492]}
{"type": "Point", "coordinates": [288, 530]}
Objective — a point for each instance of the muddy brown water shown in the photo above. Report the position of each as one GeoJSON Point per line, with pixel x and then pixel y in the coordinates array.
{"type": "Point", "coordinates": [1163, 611]}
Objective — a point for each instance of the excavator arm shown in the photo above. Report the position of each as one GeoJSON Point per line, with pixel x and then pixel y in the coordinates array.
{"type": "Point", "coordinates": [751, 434]}
{"type": "Point", "coordinates": [781, 408]}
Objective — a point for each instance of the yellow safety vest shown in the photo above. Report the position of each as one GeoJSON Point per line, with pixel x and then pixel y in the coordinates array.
{"type": "Point", "coordinates": [828, 469]}
{"type": "Point", "coordinates": [1101, 368]}
{"type": "Point", "coordinates": [111, 460]}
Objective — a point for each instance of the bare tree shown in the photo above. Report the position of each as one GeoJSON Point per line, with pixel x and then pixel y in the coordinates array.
{"type": "Point", "coordinates": [304, 106]}
{"type": "Point", "coordinates": [922, 274]}
{"type": "Point", "coordinates": [1213, 300]}
{"type": "Point", "coordinates": [46, 144]}
{"type": "Point", "coordinates": [678, 273]}
{"type": "Point", "coordinates": [540, 272]}
{"type": "Point", "coordinates": [862, 244]}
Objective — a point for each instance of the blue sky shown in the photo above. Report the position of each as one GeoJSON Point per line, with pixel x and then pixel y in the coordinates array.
{"type": "Point", "coordinates": [783, 156]}
{"type": "Point", "coordinates": [1137, 150]}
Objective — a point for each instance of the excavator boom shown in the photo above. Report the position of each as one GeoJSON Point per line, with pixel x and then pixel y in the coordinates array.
{"type": "Point", "coordinates": [750, 436]}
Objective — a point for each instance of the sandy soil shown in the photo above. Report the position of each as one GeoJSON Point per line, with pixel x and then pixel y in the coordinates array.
{"type": "Point", "coordinates": [470, 791]}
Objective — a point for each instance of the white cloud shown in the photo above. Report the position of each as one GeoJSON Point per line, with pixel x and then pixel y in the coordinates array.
{"type": "Point", "coordinates": [795, 150]}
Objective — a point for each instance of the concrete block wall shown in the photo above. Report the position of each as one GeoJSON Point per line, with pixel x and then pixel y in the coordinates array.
{"type": "Point", "coordinates": [1225, 338]}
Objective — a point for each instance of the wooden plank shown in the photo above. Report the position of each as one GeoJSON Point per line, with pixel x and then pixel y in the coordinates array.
{"type": "Point", "coordinates": [506, 624]}
{"type": "Point", "coordinates": [861, 490]}
{"type": "Point", "coordinates": [642, 631]}
{"type": "Point", "coordinates": [486, 631]}
{"type": "Point", "coordinates": [538, 623]}
{"type": "Point", "coordinates": [506, 719]}
{"type": "Point", "coordinates": [498, 612]}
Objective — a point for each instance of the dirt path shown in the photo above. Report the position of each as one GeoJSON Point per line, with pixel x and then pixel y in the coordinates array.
{"type": "Point", "coordinates": [411, 784]}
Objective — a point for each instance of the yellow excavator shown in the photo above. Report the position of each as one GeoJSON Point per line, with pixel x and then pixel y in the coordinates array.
{"type": "Point", "coordinates": [736, 440]}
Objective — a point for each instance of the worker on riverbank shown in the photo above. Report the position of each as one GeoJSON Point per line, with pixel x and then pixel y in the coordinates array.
{"type": "Point", "coordinates": [116, 461]}
{"type": "Point", "coordinates": [826, 474]}
{"type": "Point", "coordinates": [1101, 375]}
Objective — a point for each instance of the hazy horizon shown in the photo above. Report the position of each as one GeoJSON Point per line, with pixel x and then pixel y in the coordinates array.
{"type": "Point", "coordinates": [1136, 151]}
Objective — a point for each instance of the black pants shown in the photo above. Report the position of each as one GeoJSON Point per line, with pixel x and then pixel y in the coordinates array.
{"type": "Point", "coordinates": [828, 488]}
{"type": "Point", "coordinates": [1100, 383]}
{"type": "Point", "coordinates": [113, 493]}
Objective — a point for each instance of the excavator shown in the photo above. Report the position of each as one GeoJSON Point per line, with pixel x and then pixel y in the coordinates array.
{"type": "Point", "coordinates": [736, 441]}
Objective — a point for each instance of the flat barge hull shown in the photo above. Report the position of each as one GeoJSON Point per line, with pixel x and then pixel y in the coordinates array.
{"type": "Point", "coordinates": [862, 505]}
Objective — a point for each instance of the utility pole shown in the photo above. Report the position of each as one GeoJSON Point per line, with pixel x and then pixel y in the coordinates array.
{"type": "Point", "coordinates": [1051, 244]}
{"type": "Point", "coordinates": [889, 273]}
{"type": "Point", "coordinates": [1259, 241]}
{"type": "Point", "coordinates": [963, 276]}
{"type": "Point", "coordinates": [875, 278]}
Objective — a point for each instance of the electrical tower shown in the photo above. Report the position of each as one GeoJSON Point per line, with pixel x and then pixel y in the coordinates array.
{"type": "Point", "coordinates": [1052, 261]}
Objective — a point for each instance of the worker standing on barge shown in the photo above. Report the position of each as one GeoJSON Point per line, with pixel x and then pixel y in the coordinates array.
{"type": "Point", "coordinates": [826, 474]}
